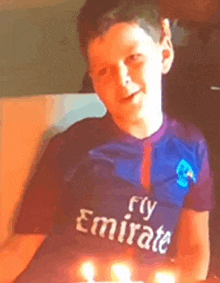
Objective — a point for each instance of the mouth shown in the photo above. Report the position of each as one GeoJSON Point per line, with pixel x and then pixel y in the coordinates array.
{"type": "Point", "coordinates": [131, 96]}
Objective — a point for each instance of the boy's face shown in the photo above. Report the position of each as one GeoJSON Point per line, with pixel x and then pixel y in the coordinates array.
{"type": "Point", "coordinates": [126, 68]}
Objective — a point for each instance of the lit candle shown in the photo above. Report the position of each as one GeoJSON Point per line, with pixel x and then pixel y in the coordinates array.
{"type": "Point", "coordinates": [88, 271]}
{"type": "Point", "coordinates": [165, 277]}
{"type": "Point", "coordinates": [121, 271]}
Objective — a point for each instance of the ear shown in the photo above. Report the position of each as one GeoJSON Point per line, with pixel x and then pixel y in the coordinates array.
{"type": "Point", "coordinates": [167, 46]}
{"type": "Point", "coordinates": [89, 73]}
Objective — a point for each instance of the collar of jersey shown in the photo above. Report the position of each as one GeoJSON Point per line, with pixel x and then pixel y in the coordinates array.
{"type": "Point", "coordinates": [121, 135]}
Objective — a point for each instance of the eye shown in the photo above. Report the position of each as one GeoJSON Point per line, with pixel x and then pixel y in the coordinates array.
{"type": "Point", "coordinates": [102, 72]}
{"type": "Point", "coordinates": [134, 58]}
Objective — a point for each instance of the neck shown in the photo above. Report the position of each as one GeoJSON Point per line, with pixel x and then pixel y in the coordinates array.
{"type": "Point", "coordinates": [144, 127]}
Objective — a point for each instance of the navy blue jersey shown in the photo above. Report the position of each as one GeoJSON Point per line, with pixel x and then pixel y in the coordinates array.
{"type": "Point", "coordinates": [106, 195]}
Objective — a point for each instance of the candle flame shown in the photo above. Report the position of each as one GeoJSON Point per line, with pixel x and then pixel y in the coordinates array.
{"type": "Point", "coordinates": [88, 271]}
{"type": "Point", "coordinates": [122, 272]}
{"type": "Point", "coordinates": [165, 277]}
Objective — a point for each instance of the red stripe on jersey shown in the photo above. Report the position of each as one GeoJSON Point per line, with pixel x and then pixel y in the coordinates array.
{"type": "Point", "coordinates": [146, 167]}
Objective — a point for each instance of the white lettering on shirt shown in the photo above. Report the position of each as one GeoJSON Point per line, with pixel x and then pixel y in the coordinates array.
{"type": "Point", "coordinates": [145, 238]}
{"type": "Point", "coordinates": [79, 226]}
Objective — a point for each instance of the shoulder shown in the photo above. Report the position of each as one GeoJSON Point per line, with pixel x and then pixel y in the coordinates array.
{"type": "Point", "coordinates": [69, 146]}
{"type": "Point", "coordinates": [86, 127]}
{"type": "Point", "coordinates": [192, 144]}
{"type": "Point", "coordinates": [185, 130]}
{"type": "Point", "coordinates": [189, 140]}
{"type": "Point", "coordinates": [83, 133]}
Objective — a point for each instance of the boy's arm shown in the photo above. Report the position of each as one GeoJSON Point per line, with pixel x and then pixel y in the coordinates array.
{"type": "Point", "coordinates": [16, 254]}
{"type": "Point", "coordinates": [193, 248]}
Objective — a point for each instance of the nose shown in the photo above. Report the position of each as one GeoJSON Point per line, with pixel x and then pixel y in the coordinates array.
{"type": "Point", "coordinates": [122, 75]}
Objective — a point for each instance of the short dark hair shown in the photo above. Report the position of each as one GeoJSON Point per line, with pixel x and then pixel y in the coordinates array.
{"type": "Point", "coordinates": [97, 16]}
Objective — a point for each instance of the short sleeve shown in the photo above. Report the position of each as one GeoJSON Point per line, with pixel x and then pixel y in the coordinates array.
{"type": "Point", "coordinates": [41, 198]}
{"type": "Point", "coordinates": [201, 195]}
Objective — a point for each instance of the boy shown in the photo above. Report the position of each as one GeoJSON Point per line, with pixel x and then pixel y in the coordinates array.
{"type": "Point", "coordinates": [115, 189]}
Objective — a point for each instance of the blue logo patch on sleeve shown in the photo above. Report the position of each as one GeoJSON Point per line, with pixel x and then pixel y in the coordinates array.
{"type": "Point", "coordinates": [184, 172]}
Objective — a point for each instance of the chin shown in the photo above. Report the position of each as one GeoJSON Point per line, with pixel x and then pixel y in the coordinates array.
{"type": "Point", "coordinates": [132, 117]}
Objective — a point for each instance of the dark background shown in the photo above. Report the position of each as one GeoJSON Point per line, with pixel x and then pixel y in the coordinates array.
{"type": "Point", "coordinates": [39, 54]}
{"type": "Point", "coordinates": [189, 95]}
